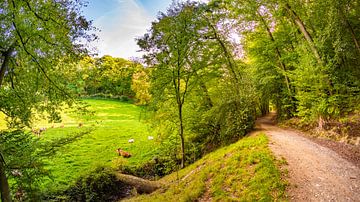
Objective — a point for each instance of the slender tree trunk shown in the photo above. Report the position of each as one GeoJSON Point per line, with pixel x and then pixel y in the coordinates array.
{"type": "Point", "coordinates": [314, 49]}
{"type": "Point", "coordinates": [209, 102]}
{"type": "Point", "coordinates": [228, 55]}
{"type": "Point", "coordinates": [304, 31]}
{"type": "Point", "coordinates": [278, 54]}
{"type": "Point", "coordinates": [351, 30]}
{"type": "Point", "coordinates": [181, 133]}
{"type": "Point", "coordinates": [4, 66]}
{"type": "Point", "coordinates": [4, 184]}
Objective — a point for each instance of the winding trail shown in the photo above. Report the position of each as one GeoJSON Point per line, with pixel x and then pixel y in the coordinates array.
{"type": "Point", "coordinates": [315, 173]}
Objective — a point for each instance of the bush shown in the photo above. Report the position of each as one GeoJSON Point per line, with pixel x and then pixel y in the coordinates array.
{"type": "Point", "coordinates": [124, 98]}
{"type": "Point", "coordinates": [99, 185]}
{"type": "Point", "coordinates": [153, 169]}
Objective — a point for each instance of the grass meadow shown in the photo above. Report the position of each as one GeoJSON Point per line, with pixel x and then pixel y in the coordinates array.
{"type": "Point", "coordinates": [111, 125]}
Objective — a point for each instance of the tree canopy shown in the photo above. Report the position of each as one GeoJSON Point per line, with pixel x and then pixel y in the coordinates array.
{"type": "Point", "coordinates": [39, 39]}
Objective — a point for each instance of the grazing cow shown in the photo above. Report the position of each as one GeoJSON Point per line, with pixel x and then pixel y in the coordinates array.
{"type": "Point", "coordinates": [38, 131]}
{"type": "Point", "coordinates": [131, 141]}
{"type": "Point", "coordinates": [123, 153]}
{"type": "Point", "coordinates": [80, 125]}
{"type": "Point", "coordinates": [150, 137]}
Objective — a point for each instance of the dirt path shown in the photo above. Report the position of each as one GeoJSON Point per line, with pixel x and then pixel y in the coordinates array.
{"type": "Point", "coordinates": [316, 173]}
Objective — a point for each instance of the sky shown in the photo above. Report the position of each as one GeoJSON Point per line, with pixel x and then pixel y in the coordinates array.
{"type": "Point", "coordinates": [120, 22]}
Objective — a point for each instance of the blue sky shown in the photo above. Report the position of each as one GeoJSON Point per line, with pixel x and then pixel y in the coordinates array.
{"type": "Point", "coordinates": [120, 22]}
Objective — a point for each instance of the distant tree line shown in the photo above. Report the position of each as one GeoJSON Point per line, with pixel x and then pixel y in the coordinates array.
{"type": "Point", "coordinates": [109, 77]}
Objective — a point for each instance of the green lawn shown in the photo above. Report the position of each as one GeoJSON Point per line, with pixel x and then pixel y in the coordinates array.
{"type": "Point", "coordinates": [112, 125]}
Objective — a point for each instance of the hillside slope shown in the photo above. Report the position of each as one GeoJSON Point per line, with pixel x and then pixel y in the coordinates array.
{"type": "Point", "coordinates": [245, 170]}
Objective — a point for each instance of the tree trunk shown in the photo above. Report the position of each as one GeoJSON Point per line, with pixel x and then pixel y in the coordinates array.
{"type": "Point", "coordinates": [310, 41]}
{"type": "Point", "coordinates": [141, 185]}
{"type": "Point", "coordinates": [304, 31]}
{"type": "Point", "coordinates": [208, 100]}
{"type": "Point", "coordinates": [278, 54]}
{"type": "Point", "coordinates": [351, 30]}
{"type": "Point", "coordinates": [228, 55]}
{"type": "Point", "coordinates": [4, 184]}
{"type": "Point", "coordinates": [181, 133]}
{"type": "Point", "coordinates": [5, 63]}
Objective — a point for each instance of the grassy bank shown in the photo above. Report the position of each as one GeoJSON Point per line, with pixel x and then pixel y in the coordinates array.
{"type": "Point", "coordinates": [244, 171]}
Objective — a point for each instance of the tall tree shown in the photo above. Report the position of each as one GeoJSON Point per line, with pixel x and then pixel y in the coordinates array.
{"type": "Point", "coordinates": [38, 39]}
{"type": "Point", "coordinates": [172, 44]}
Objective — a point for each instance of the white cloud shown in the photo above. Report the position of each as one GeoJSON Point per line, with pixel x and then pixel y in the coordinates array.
{"type": "Point", "coordinates": [119, 27]}
{"type": "Point", "coordinates": [122, 24]}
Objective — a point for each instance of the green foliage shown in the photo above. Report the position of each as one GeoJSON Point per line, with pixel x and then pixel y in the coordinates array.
{"type": "Point", "coordinates": [98, 185]}
{"type": "Point", "coordinates": [106, 76]}
{"type": "Point", "coordinates": [303, 56]}
{"type": "Point", "coordinates": [141, 86]}
{"type": "Point", "coordinates": [25, 165]}
{"type": "Point", "coordinates": [41, 41]}
{"type": "Point", "coordinates": [192, 71]}
{"type": "Point", "coordinates": [153, 169]}
{"type": "Point", "coordinates": [244, 171]}
{"type": "Point", "coordinates": [26, 160]}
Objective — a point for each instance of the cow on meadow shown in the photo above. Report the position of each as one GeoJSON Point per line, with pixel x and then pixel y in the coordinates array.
{"type": "Point", "coordinates": [123, 153]}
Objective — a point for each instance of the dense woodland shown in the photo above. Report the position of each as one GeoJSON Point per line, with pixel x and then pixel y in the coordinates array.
{"type": "Point", "coordinates": [208, 71]}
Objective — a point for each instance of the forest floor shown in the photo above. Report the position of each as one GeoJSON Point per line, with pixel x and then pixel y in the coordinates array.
{"type": "Point", "coordinates": [317, 170]}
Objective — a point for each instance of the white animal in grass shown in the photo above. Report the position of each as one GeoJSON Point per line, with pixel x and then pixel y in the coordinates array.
{"type": "Point", "coordinates": [150, 137]}
{"type": "Point", "coordinates": [16, 173]}
{"type": "Point", "coordinates": [131, 140]}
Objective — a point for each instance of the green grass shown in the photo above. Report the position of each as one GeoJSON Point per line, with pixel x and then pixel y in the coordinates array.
{"type": "Point", "coordinates": [244, 171]}
{"type": "Point", "coordinates": [112, 125]}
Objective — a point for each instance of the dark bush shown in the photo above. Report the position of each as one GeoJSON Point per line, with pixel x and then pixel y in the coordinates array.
{"type": "Point", "coordinates": [151, 170]}
{"type": "Point", "coordinates": [99, 185]}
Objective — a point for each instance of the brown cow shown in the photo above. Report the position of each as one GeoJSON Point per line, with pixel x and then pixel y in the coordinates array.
{"type": "Point", "coordinates": [123, 153]}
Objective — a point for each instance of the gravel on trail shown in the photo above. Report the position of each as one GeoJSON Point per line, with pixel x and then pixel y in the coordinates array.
{"type": "Point", "coordinates": [315, 172]}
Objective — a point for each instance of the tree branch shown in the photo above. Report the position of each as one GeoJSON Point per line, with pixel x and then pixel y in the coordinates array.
{"type": "Point", "coordinates": [5, 64]}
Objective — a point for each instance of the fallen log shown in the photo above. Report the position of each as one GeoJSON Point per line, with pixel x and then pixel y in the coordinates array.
{"type": "Point", "coordinates": [141, 185]}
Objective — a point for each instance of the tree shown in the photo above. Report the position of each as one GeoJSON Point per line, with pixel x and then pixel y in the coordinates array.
{"type": "Point", "coordinates": [170, 43]}
{"type": "Point", "coordinates": [303, 54]}
{"type": "Point", "coordinates": [141, 85]}
{"type": "Point", "coordinates": [39, 39]}
{"type": "Point", "coordinates": [190, 60]}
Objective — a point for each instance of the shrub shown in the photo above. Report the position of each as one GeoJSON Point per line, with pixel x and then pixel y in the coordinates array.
{"type": "Point", "coordinates": [153, 169]}
{"type": "Point", "coordinates": [99, 185]}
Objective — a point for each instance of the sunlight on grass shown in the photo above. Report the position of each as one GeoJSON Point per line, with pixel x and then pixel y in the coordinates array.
{"type": "Point", "coordinates": [111, 126]}
{"type": "Point", "coordinates": [244, 171]}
